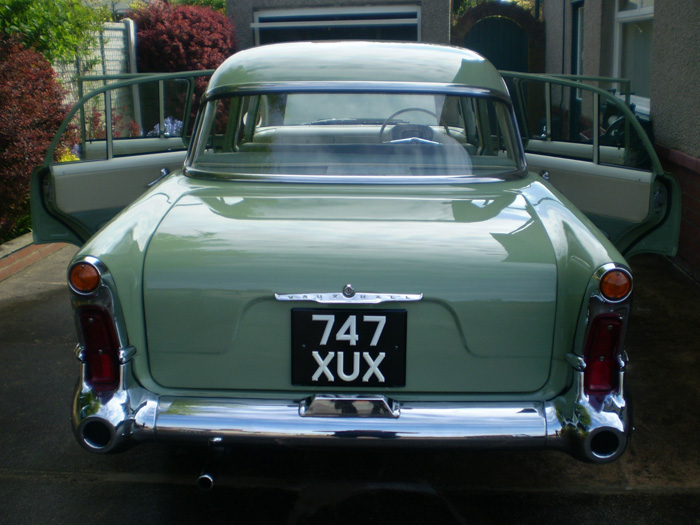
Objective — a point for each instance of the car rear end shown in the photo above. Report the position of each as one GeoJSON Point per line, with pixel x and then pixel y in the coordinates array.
{"type": "Point", "coordinates": [344, 263]}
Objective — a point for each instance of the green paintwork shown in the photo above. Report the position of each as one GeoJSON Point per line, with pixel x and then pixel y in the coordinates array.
{"type": "Point", "coordinates": [503, 266]}
{"type": "Point", "coordinates": [478, 259]}
{"type": "Point", "coordinates": [217, 257]}
{"type": "Point", "coordinates": [356, 61]}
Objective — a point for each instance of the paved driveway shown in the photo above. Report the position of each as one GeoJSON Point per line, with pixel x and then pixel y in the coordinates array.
{"type": "Point", "coordinates": [46, 476]}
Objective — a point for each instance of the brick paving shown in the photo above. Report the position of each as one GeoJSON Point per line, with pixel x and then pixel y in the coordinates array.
{"type": "Point", "coordinates": [18, 254]}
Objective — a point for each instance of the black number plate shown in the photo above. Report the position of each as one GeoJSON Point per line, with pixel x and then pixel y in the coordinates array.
{"type": "Point", "coordinates": [365, 348]}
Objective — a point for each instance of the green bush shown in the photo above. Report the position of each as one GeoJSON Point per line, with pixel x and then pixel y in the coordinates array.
{"type": "Point", "coordinates": [58, 29]}
{"type": "Point", "coordinates": [459, 7]}
{"type": "Point", "coordinates": [216, 5]}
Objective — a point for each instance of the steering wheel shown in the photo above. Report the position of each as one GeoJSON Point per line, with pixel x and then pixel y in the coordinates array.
{"type": "Point", "coordinates": [405, 110]}
{"type": "Point", "coordinates": [615, 134]}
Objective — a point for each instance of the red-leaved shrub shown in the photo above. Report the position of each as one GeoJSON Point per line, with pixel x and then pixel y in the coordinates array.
{"type": "Point", "coordinates": [173, 38]}
{"type": "Point", "coordinates": [181, 38]}
{"type": "Point", "coordinates": [30, 113]}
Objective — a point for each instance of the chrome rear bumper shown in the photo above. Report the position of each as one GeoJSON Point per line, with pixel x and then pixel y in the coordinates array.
{"type": "Point", "coordinates": [251, 420]}
{"type": "Point", "coordinates": [593, 431]}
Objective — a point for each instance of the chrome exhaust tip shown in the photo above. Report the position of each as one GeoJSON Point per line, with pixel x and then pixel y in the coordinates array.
{"type": "Point", "coordinates": [205, 481]}
{"type": "Point", "coordinates": [97, 435]}
{"type": "Point", "coordinates": [101, 436]}
{"type": "Point", "coordinates": [604, 445]}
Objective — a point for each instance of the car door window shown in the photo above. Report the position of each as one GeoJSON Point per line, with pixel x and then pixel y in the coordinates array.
{"type": "Point", "coordinates": [563, 119]}
{"type": "Point", "coordinates": [117, 141]}
{"type": "Point", "coordinates": [587, 142]}
{"type": "Point", "coordinates": [128, 119]}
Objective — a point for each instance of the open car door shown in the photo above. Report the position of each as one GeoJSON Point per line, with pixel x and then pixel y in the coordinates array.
{"type": "Point", "coordinates": [115, 142]}
{"type": "Point", "coordinates": [588, 143]}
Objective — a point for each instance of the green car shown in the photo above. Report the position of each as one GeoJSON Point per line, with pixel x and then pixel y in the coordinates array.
{"type": "Point", "coordinates": [356, 244]}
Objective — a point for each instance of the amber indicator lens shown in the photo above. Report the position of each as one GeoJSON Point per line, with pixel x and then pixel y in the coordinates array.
{"type": "Point", "coordinates": [84, 278]}
{"type": "Point", "coordinates": [616, 285]}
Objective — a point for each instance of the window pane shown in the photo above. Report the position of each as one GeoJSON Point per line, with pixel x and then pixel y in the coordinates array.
{"type": "Point", "coordinates": [568, 127]}
{"type": "Point", "coordinates": [636, 56]}
{"type": "Point", "coordinates": [633, 5]}
{"type": "Point", "coordinates": [340, 23]}
{"type": "Point", "coordinates": [130, 118]}
{"type": "Point", "coordinates": [358, 134]}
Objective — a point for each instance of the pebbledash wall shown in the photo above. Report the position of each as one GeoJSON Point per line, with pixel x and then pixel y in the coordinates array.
{"type": "Point", "coordinates": [672, 65]}
{"type": "Point", "coordinates": [675, 84]}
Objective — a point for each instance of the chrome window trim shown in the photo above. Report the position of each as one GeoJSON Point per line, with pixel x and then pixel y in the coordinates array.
{"type": "Point", "coordinates": [354, 179]}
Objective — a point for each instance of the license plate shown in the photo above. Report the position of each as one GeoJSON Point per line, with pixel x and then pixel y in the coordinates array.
{"type": "Point", "coordinates": [359, 348]}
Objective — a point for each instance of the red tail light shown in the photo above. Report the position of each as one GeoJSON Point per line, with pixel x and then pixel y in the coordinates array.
{"type": "Point", "coordinates": [101, 349]}
{"type": "Point", "coordinates": [601, 375]}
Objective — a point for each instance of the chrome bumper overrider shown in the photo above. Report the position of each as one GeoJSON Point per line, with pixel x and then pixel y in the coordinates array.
{"type": "Point", "coordinates": [593, 430]}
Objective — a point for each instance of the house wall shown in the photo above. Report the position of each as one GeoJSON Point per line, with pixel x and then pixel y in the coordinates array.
{"type": "Point", "coordinates": [435, 15]}
{"type": "Point", "coordinates": [599, 23]}
{"type": "Point", "coordinates": [592, 21]}
{"type": "Point", "coordinates": [599, 19]}
{"type": "Point", "coordinates": [675, 109]}
{"type": "Point", "coordinates": [557, 17]}
{"type": "Point", "coordinates": [675, 77]}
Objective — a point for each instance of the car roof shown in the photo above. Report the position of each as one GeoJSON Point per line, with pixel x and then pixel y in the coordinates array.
{"type": "Point", "coordinates": [357, 61]}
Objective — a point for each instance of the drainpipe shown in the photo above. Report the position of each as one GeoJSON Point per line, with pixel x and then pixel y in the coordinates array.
{"type": "Point", "coordinates": [563, 36]}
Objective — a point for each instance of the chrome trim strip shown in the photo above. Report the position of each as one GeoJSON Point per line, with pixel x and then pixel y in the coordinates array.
{"type": "Point", "coordinates": [414, 180]}
{"type": "Point", "coordinates": [576, 362]}
{"type": "Point", "coordinates": [358, 298]}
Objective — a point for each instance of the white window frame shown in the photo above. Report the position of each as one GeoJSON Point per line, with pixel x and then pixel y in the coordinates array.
{"type": "Point", "coordinates": [260, 16]}
{"type": "Point", "coordinates": [641, 14]}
